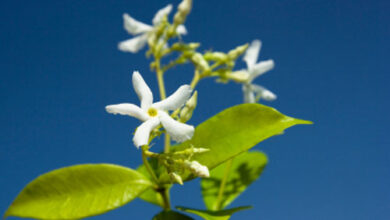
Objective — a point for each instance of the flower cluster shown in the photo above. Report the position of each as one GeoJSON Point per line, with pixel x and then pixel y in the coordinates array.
{"type": "Point", "coordinates": [156, 115]}
{"type": "Point", "coordinates": [143, 31]}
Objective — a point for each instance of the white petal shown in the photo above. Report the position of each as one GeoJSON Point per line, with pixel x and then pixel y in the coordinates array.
{"type": "Point", "coordinates": [133, 26]}
{"type": "Point", "coordinates": [128, 109]}
{"type": "Point", "coordinates": [176, 100]}
{"type": "Point", "coordinates": [263, 93]}
{"type": "Point", "coordinates": [252, 53]}
{"type": "Point", "coordinates": [260, 68]}
{"type": "Point", "coordinates": [141, 136]}
{"type": "Point", "coordinates": [249, 95]}
{"type": "Point", "coordinates": [143, 91]}
{"type": "Point", "coordinates": [181, 30]}
{"type": "Point", "coordinates": [161, 14]}
{"type": "Point", "coordinates": [178, 131]}
{"type": "Point", "coordinates": [133, 45]}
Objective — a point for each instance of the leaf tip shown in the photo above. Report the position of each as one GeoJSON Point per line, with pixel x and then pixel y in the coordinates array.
{"type": "Point", "coordinates": [305, 122]}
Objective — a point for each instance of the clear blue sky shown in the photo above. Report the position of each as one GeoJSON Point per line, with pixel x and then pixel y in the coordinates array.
{"type": "Point", "coordinates": [60, 66]}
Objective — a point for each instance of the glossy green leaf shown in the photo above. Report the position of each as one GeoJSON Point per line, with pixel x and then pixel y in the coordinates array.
{"type": "Point", "coordinates": [214, 215]}
{"type": "Point", "coordinates": [235, 130]}
{"type": "Point", "coordinates": [78, 191]}
{"type": "Point", "coordinates": [171, 215]}
{"type": "Point", "coordinates": [242, 171]}
{"type": "Point", "coordinates": [151, 196]}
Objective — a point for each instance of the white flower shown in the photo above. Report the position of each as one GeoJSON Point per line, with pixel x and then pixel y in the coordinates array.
{"type": "Point", "coordinates": [196, 168]}
{"type": "Point", "coordinates": [253, 92]}
{"type": "Point", "coordinates": [154, 114]}
{"type": "Point", "coordinates": [141, 31]}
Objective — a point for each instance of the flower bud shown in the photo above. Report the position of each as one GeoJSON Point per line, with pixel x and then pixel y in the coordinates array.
{"type": "Point", "coordinates": [176, 178]}
{"type": "Point", "coordinates": [235, 53]}
{"type": "Point", "coordinates": [196, 168]}
{"type": "Point", "coordinates": [183, 47]}
{"type": "Point", "coordinates": [193, 45]}
{"type": "Point", "coordinates": [198, 59]}
{"type": "Point", "coordinates": [216, 56]}
{"type": "Point", "coordinates": [183, 10]}
{"type": "Point", "coordinates": [200, 150]}
{"type": "Point", "coordinates": [189, 107]}
{"type": "Point", "coordinates": [239, 76]}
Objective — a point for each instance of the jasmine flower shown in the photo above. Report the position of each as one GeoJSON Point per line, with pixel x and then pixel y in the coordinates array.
{"type": "Point", "coordinates": [154, 114]}
{"type": "Point", "coordinates": [253, 92]}
{"type": "Point", "coordinates": [142, 31]}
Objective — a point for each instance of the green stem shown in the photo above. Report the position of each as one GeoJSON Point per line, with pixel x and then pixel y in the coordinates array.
{"type": "Point", "coordinates": [218, 202]}
{"type": "Point", "coordinates": [166, 198]}
{"type": "Point", "coordinates": [195, 79]}
{"type": "Point", "coordinates": [161, 86]}
{"type": "Point", "coordinates": [171, 64]}
{"type": "Point", "coordinates": [160, 78]}
{"type": "Point", "coordinates": [147, 165]}
{"type": "Point", "coordinates": [167, 142]}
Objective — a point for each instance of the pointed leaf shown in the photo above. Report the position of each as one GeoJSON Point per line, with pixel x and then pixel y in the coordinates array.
{"type": "Point", "coordinates": [242, 171]}
{"type": "Point", "coordinates": [214, 215]}
{"type": "Point", "coordinates": [233, 131]}
{"type": "Point", "coordinates": [78, 191]}
{"type": "Point", "coordinates": [171, 215]}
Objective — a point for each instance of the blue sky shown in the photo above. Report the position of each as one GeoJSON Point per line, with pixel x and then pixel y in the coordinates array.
{"type": "Point", "coordinates": [60, 66]}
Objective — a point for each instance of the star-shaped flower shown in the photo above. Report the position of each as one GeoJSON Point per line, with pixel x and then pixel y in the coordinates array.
{"type": "Point", "coordinates": [154, 114]}
{"type": "Point", "coordinates": [141, 31]}
{"type": "Point", "coordinates": [252, 92]}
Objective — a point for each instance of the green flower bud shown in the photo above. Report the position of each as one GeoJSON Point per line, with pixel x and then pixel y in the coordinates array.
{"type": "Point", "coordinates": [176, 178]}
{"type": "Point", "coordinates": [198, 59]}
{"type": "Point", "coordinates": [184, 9]}
{"type": "Point", "coordinates": [216, 56]}
{"type": "Point", "coordinates": [193, 45]}
{"type": "Point", "coordinates": [239, 76]}
{"type": "Point", "coordinates": [189, 107]}
{"type": "Point", "coordinates": [184, 47]}
{"type": "Point", "coordinates": [238, 51]}
{"type": "Point", "coordinates": [201, 150]}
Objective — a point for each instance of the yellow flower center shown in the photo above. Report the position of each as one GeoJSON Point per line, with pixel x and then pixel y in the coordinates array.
{"type": "Point", "coordinates": [152, 112]}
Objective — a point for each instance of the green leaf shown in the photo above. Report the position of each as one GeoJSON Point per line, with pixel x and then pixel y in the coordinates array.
{"type": "Point", "coordinates": [242, 171]}
{"type": "Point", "coordinates": [233, 131]}
{"type": "Point", "coordinates": [214, 215]}
{"type": "Point", "coordinates": [78, 191]}
{"type": "Point", "coordinates": [171, 215]}
{"type": "Point", "coordinates": [153, 197]}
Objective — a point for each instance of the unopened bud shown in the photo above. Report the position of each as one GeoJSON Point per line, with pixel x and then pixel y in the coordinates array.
{"type": "Point", "coordinates": [196, 168]}
{"type": "Point", "coordinates": [239, 76]}
{"type": "Point", "coordinates": [185, 6]}
{"type": "Point", "coordinates": [183, 10]}
{"type": "Point", "coordinates": [183, 47]}
{"type": "Point", "coordinates": [193, 46]}
{"type": "Point", "coordinates": [200, 150]}
{"type": "Point", "coordinates": [198, 59]}
{"type": "Point", "coordinates": [189, 107]}
{"type": "Point", "coordinates": [152, 40]}
{"type": "Point", "coordinates": [235, 53]}
{"type": "Point", "coordinates": [216, 56]}
{"type": "Point", "coordinates": [176, 178]}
